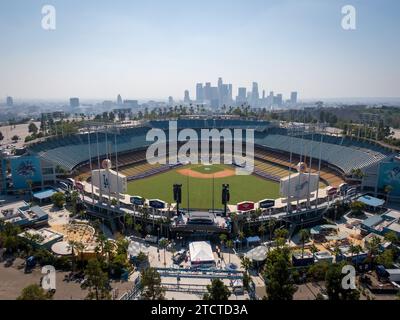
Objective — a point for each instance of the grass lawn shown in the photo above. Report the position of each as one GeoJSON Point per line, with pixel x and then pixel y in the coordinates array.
{"type": "Point", "coordinates": [242, 188]}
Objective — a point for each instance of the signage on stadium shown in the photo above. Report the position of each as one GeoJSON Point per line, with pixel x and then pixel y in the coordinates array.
{"type": "Point", "coordinates": [157, 204]}
{"type": "Point", "coordinates": [267, 203]}
{"type": "Point", "coordinates": [245, 206]}
{"type": "Point", "coordinates": [137, 200]}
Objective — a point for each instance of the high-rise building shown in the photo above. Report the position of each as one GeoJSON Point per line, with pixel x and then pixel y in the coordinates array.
{"type": "Point", "coordinates": [293, 97]}
{"type": "Point", "coordinates": [9, 102]}
{"type": "Point", "coordinates": [170, 101]}
{"type": "Point", "coordinates": [255, 96]}
{"type": "Point", "coordinates": [74, 102]}
{"type": "Point", "coordinates": [207, 91]}
{"type": "Point", "coordinates": [186, 98]}
{"type": "Point", "coordinates": [241, 97]}
{"type": "Point", "coordinates": [278, 100]}
{"type": "Point", "coordinates": [199, 93]}
{"type": "Point", "coordinates": [119, 100]}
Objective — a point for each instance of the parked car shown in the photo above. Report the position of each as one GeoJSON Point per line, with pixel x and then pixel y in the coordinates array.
{"type": "Point", "coordinates": [179, 256]}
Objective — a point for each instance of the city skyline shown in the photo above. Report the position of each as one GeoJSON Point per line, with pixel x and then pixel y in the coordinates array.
{"type": "Point", "coordinates": [282, 45]}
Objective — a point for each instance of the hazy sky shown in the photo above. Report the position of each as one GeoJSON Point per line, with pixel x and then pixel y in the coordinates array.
{"type": "Point", "coordinates": [156, 48]}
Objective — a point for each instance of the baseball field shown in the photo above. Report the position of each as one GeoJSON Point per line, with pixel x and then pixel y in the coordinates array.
{"type": "Point", "coordinates": [200, 181]}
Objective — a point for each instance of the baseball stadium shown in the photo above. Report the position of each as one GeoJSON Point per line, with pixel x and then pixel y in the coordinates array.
{"type": "Point", "coordinates": [279, 152]}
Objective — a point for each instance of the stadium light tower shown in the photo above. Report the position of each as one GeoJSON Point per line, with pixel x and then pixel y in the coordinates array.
{"type": "Point", "coordinates": [177, 189]}
{"type": "Point", "coordinates": [225, 197]}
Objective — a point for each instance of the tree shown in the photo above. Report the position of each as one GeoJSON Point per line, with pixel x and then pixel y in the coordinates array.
{"type": "Point", "coordinates": [392, 237]}
{"type": "Point", "coordinates": [150, 284]}
{"type": "Point", "coordinates": [34, 292]}
{"type": "Point", "coordinates": [317, 271]}
{"type": "Point", "coordinates": [278, 278]}
{"type": "Point", "coordinates": [217, 291]}
{"type": "Point", "coordinates": [32, 128]}
{"type": "Point", "coordinates": [280, 237]}
{"type": "Point", "coordinates": [15, 138]}
{"type": "Point", "coordinates": [333, 283]}
{"type": "Point", "coordinates": [163, 244]}
{"type": "Point", "coordinates": [261, 230]}
{"type": "Point", "coordinates": [58, 199]}
{"type": "Point", "coordinates": [74, 201]}
{"type": "Point", "coordinates": [304, 236]}
{"type": "Point", "coordinates": [357, 208]}
{"type": "Point", "coordinates": [222, 238]}
{"type": "Point", "coordinates": [9, 236]}
{"type": "Point", "coordinates": [388, 189]}
{"type": "Point", "coordinates": [96, 281]}
{"type": "Point", "coordinates": [229, 244]}
{"type": "Point", "coordinates": [386, 258]}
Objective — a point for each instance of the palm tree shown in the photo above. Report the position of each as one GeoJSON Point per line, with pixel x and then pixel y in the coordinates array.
{"type": "Point", "coordinates": [72, 245]}
{"type": "Point", "coordinates": [304, 236]}
{"type": "Point", "coordinates": [271, 226]}
{"type": "Point", "coordinates": [163, 244]}
{"type": "Point", "coordinates": [241, 237]}
{"type": "Point", "coordinates": [280, 236]}
{"type": "Point", "coordinates": [29, 184]}
{"type": "Point", "coordinates": [80, 247]}
{"type": "Point", "coordinates": [388, 189]}
{"type": "Point", "coordinates": [245, 264]}
{"type": "Point", "coordinates": [229, 244]}
{"type": "Point", "coordinates": [261, 231]}
{"type": "Point", "coordinates": [222, 238]}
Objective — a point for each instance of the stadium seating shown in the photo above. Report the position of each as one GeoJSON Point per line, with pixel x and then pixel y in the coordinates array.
{"type": "Point", "coordinates": [344, 153]}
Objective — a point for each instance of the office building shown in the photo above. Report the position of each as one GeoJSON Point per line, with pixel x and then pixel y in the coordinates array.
{"type": "Point", "coordinates": [130, 104]}
{"type": "Point", "coordinates": [119, 100]}
{"type": "Point", "coordinates": [255, 96]}
{"type": "Point", "coordinates": [293, 97]}
{"type": "Point", "coordinates": [207, 91]}
{"type": "Point", "coordinates": [74, 102]}
{"type": "Point", "coordinates": [186, 98]}
{"type": "Point", "coordinates": [199, 93]}
{"type": "Point", "coordinates": [241, 97]}
{"type": "Point", "coordinates": [9, 102]}
{"type": "Point", "coordinates": [170, 101]}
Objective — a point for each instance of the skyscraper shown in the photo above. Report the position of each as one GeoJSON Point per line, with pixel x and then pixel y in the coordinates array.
{"type": "Point", "coordinates": [255, 96]}
{"type": "Point", "coordinates": [207, 91]}
{"type": "Point", "coordinates": [293, 97]}
{"type": "Point", "coordinates": [241, 97]}
{"type": "Point", "coordinates": [119, 100]}
{"type": "Point", "coordinates": [199, 93]}
{"type": "Point", "coordinates": [186, 98]}
{"type": "Point", "coordinates": [74, 102]}
{"type": "Point", "coordinates": [170, 101]}
{"type": "Point", "coordinates": [9, 102]}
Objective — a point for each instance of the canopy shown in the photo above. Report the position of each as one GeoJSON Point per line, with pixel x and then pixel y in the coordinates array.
{"type": "Point", "coordinates": [201, 252]}
{"type": "Point", "coordinates": [135, 248]}
{"type": "Point", "coordinates": [253, 239]}
{"type": "Point", "coordinates": [371, 201]}
{"type": "Point", "coordinates": [44, 194]}
{"type": "Point", "coordinates": [258, 254]}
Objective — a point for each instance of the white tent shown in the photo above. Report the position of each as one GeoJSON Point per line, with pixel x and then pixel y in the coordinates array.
{"type": "Point", "coordinates": [201, 254]}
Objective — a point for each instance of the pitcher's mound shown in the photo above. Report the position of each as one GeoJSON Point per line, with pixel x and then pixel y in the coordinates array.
{"type": "Point", "coordinates": [195, 174]}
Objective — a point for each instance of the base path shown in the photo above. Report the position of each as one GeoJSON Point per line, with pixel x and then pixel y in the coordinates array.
{"type": "Point", "coordinates": [195, 174]}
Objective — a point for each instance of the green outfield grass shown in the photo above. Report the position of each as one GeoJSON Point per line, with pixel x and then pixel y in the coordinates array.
{"type": "Point", "coordinates": [242, 188]}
